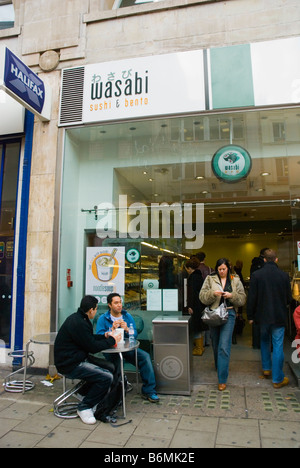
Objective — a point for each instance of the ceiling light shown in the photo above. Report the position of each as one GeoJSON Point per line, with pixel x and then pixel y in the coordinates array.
{"type": "Point", "coordinates": [200, 177]}
{"type": "Point", "coordinates": [264, 174]}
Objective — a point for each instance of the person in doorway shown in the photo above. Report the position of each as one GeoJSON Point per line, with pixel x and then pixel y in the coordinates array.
{"type": "Point", "coordinates": [166, 272]}
{"type": "Point", "coordinates": [258, 262]}
{"type": "Point", "coordinates": [195, 307]}
{"type": "Point", "coordinates": [205, 270]}
{"type": "Point", "coordinates": [240, 321]}
{"type": "Point", "coordinates": [268, 299]}
{"type": "Point", "coordinates": [74, 342]}
{"type": "Point", "coordinates": [114, 318]}
{"type": "Point", "coordinates": [220, 286]}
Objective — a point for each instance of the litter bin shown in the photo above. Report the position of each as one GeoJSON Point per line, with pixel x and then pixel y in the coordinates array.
{"type": "Point", "coordinates": [172, 354]}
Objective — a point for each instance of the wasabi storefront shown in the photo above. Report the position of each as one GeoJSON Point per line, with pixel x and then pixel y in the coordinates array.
{"type": "Point", "coordinates": [165, 156]}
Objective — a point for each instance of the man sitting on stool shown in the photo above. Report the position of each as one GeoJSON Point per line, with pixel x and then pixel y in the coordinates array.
{"type": "Point", "coordinates": [114, 318]}
{"type": "Point", "coordinates": [74, 341]}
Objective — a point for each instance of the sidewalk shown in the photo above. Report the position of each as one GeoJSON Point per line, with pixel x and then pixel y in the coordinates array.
{"type": "Point", "coordinates": [251, 413]}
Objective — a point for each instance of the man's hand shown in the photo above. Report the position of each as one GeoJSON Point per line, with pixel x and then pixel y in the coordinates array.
{"type": "Point", "coordinates": [117, 336]}
{"type": "Point", "coordinates": [123, 324]}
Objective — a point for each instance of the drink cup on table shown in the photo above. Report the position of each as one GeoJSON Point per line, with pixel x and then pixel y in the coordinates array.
{"type": "Point", "coordinates": [120, 333]}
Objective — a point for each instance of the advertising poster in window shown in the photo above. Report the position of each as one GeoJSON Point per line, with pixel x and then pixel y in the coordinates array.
{"type": "Point", "coordinates": [105, 271]}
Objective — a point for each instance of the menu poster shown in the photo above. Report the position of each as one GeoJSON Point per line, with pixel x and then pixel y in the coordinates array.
{"type": "Point", "coordinates": [170, 300]}
{"type": "Point", "coordinates": [165, 300]}
{"type": "Point", "coordinates": [105, 271]}
{"type": "Point", "coordinates": [154, 299]}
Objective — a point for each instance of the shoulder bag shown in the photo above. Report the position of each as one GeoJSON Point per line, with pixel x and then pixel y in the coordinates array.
{"type": "Point", "coordinates": [215, 317]}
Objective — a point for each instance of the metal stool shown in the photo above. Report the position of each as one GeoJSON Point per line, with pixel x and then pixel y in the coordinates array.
{"type": "Point", "coordinates": [64, 409]}
{"type": "Point", "coordinates": [18, 386]}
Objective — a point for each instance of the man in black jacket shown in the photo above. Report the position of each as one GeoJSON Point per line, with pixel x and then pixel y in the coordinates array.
{"type": "Point", "coordinates": [74, 342]}
{"type": "Point", "coordinates": [268, 299]}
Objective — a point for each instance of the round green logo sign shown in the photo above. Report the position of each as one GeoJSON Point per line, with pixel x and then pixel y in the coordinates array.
{"type": "Point", "coordinates": [231, 163]}
{"type": "Point", "coordinates": [133, 255]}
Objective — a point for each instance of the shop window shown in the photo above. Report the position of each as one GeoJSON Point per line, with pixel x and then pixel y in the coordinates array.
{"type": "Point", "coordinates": [188, 130]}
{"type": "Point", "coordinates": [128, 3]}
{"type": "Point", "coordinates": [7, 14]}
{"type": "Point", "coordinates": [225, 129]}
{"type": "Point", "coordinates": [279, 131]}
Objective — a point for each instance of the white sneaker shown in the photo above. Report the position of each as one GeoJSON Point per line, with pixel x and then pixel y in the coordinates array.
{"type": "Point", "coordinates": [87, 416]}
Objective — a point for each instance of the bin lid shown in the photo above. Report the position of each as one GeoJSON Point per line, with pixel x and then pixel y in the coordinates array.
{"type": "Point", "coordinates": [171, 319]}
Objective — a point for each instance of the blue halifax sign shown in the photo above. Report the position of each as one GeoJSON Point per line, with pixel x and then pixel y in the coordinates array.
{"type": "Point", "coordinates": [23, 82]}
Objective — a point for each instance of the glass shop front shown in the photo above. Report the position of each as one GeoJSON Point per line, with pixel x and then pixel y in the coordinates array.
{"type": "Point", "coordinates": [139, 198]}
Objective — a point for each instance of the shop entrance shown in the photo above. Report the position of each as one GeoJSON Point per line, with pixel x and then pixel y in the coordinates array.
{"type": "Point", "coordinates": [9, 167]}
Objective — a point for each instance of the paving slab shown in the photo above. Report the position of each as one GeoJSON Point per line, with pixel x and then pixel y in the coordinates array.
{"type": "Point", "coordinates": [250, 413]}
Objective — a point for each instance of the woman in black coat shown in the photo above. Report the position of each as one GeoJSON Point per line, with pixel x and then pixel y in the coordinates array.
{"type": "Point", "coordinates": [195, 306]}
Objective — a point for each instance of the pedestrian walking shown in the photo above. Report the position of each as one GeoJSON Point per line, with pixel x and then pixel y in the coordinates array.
{"type": "Point", "coordinates": [268, 300]}
{"type": "Point", "coordinates": [220, 286]}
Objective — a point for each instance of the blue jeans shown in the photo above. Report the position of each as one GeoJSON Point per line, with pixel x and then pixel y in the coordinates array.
{"type": "Point", "coordinates": [144, 365]}
{"type": "Point", "coordinates": [221, 341]}
{"type": "Point", "coordinates": [275, 334]}
{"type": "Point", "coordinates": [98, 382]}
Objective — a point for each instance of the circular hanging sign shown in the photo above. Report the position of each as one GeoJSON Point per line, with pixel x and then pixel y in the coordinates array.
{"type": "Point", "coordinates": [133, 255]}
{"type": "Point", "coordinates": [231, 163]}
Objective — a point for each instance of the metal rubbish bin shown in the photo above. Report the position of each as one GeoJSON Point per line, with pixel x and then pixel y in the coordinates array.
{"type": "Point", "coordinates": [172, 352]}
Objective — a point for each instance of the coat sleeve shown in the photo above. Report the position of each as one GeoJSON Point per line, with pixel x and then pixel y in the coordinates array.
{"type": "Point", "coordinates": [252, 299]}
{"type": "Point", "coordinates": [238, 294]}
{"type": "Point", "coordinates": [206, 295]}
{"type": "Point", "coordinates": [90, 343]}
{"type": "Point", "coordinates": [101, 327]}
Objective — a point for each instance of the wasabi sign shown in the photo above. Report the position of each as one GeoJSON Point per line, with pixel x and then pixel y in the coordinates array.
{"type": "Point", "coordinates": [231, 163]}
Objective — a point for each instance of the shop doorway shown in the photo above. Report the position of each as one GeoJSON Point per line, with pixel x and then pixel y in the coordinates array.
{"type": "Point", "coordinates": [9, 170]}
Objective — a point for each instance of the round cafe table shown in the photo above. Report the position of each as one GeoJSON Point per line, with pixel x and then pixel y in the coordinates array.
{"type": "Point", "coordinates": [120, 349]}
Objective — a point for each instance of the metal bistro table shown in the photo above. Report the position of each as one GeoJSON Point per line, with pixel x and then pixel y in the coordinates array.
{"type": "Point", "coordinates": [124, 349]}
{"type": "Point", "coordinates": [44, 339]}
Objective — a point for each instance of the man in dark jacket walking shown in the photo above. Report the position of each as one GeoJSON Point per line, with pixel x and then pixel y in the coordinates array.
{"type": "Point", "coordinates": [268, 299]}
{"type": "Point", "coordinates": [74, 341]}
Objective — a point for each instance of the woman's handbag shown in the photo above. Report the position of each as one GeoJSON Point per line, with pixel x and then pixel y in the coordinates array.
{"type": "Point", "coordinates": [215, 317]}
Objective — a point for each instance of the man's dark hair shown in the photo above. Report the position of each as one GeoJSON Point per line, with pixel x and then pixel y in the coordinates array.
{"type": "Point", "coordinates": [263, 251]}
{"type": "Point", "coordinates": [88, 302]}
{"type": "Point", "coordinates": [111, 296]}
{"type": "Point", "coordinates": [201, 256]}
{"type": "Point", "coordinates": [193, 263]}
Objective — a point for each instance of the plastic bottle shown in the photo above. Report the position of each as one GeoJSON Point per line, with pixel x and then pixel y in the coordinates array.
{"type": "Point", "coordinates": [131, 335]}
